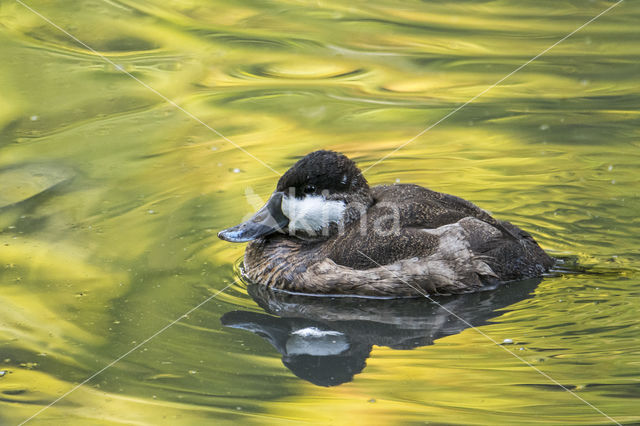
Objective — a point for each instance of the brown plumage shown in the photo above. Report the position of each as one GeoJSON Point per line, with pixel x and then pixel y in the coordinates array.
{"type": "Point", "coordinates": [390, 240]}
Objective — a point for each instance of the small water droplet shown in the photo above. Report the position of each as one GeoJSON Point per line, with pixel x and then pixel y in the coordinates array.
{"type": "Point", "coordinates": [34, 118]}
{"type": "Point", "coordinates": [507, 341]}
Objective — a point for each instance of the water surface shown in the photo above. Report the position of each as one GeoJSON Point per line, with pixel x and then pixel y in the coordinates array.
{"type": "Point", "coordinates": [110, 200]}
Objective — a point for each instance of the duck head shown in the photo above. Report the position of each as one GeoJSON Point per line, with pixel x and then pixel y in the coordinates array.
{"type": "Point", "coordinates": [314, 199]}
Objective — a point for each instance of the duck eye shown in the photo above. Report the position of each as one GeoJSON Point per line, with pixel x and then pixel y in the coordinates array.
{"type": "Point", "coordinates": [308, 189]}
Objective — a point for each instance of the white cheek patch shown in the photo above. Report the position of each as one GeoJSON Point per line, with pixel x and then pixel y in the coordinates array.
{"type": "Point", "coordinates": [316, 342]}
{"type": "Point", "coordinates": [312, 212]}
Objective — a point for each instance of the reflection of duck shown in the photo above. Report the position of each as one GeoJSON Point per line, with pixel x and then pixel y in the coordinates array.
{"type": "Point", "coordinates": [326, 340]}
{"type": "Point", "coordinates": [325, 231]}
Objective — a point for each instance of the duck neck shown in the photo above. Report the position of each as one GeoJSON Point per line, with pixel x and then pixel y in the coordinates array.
{"type": "Point", "coordinates": [357, 207]}
{"type": "Point", "coordinates": [278, 259]}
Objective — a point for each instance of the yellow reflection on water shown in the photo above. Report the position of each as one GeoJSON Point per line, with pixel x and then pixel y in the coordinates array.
{"type": "Point", "coordinates": [110, 198]}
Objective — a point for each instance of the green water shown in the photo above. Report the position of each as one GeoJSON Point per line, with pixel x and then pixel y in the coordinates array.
{"type": "Point", "coordinates": [110, 200]}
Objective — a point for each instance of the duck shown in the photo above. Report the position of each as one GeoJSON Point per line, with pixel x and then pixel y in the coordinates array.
{"type": "Point", "coordinates": [325, 231]}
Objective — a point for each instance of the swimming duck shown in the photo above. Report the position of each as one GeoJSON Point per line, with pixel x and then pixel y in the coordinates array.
{"type": "Point", "coordinates": [325, 231]}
